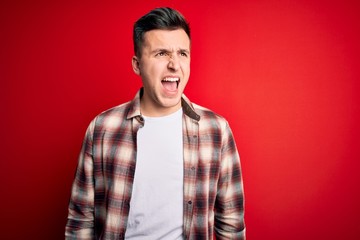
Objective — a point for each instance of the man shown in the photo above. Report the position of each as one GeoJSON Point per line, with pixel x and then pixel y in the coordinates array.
{"type": "Point", "coordinates": [158, 167]}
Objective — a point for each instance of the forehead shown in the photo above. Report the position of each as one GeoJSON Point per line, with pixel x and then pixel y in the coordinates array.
{"type": "Point", "coordinates": [159, 38]}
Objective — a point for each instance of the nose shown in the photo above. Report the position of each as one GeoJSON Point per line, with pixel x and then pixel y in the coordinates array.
{"type": "Point", "coordinates": [174, 63]}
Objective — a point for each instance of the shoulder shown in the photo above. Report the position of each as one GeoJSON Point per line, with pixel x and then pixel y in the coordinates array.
{"type": "Point", "coordinates": [112, 117]}
{"type": "Point", "coordinates": [118, 110]}
{"type": "Point", "coordinates": [209, 118]}
{"type": "Point", "coordinates": [207, 114]}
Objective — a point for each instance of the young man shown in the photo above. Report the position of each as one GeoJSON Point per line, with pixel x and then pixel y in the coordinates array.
{"type": "Point", "coordinates": [158, 167]}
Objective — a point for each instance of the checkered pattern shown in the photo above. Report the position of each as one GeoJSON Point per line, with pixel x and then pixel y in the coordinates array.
{"type": "Point", "coordinates": [213, 189]}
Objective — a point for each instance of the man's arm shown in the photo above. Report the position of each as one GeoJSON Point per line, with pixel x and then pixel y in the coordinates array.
{"type": "Point", "coordinates": [80, 222]}
{"type": "Point", "coordinates": [229, 205]}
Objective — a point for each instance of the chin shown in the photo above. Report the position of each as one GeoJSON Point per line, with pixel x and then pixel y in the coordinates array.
{"type": "Point", "coordinates": [170, 103]}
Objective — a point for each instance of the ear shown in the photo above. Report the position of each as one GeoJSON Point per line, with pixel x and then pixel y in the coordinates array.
{"type": "Point", "coordinates": [136, 65]}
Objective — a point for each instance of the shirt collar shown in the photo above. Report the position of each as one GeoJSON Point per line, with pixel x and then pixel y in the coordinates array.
{"type": "Point", "coordinates": [188, 108]}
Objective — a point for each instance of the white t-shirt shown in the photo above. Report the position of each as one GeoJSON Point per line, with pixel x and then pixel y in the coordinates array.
{"type": "Point", "coordinates": [156, 206]}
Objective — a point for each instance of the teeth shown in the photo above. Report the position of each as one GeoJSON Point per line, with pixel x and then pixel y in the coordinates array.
{"type": "Point", "coordinates": [171, 79]}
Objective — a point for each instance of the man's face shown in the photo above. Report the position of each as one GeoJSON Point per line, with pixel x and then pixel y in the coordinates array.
{"type": "Point", "coordinates": [164, 66]}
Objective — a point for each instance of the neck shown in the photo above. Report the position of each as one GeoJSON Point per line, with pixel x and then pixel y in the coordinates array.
{"type": "Point", "coordinates": [150, 110]}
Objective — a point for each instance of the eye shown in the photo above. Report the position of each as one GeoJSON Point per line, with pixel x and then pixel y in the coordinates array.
{"type": "Point", "coordinates": [161, 54]}
{"type": "Point", "coordinates": [184, 54]}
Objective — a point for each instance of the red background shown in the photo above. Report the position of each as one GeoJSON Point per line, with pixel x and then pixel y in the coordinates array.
{"type": "Point", "coordinates": [284, 73]}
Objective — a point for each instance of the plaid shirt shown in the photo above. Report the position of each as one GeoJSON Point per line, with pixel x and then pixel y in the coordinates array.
{"type": "Point", "coordinates": [213, 189]}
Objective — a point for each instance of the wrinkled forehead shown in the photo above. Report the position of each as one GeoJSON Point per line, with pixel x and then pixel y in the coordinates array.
{"type": "Point", "coordinates": [167, 39]}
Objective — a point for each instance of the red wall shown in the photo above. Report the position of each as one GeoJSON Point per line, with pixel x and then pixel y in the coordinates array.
{"type": "Point", "coordinates": [284, 73]}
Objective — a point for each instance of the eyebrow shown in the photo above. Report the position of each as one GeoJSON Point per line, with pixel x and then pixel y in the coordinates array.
{"type": "Point", "coordinates": [184, 50]}
{"type": "Point", "coordinates": [168, 51]}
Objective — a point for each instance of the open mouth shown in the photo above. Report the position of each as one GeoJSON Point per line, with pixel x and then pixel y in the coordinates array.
{"type": "Point", "coordinates": [171, 83]}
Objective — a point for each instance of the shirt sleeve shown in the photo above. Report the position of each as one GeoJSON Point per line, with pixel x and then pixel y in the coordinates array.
{"type": "Point", "coordinates": [229, 205]}
{"type": "Point", "coordinates": [80, 221]}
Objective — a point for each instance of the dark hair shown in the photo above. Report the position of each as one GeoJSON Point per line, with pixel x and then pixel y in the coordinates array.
{"type": "Point", "coordinates": [159, 18]}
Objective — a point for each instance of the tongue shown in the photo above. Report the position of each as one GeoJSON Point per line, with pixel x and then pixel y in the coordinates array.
{"type": "Point", "coordinates": [170, 86]}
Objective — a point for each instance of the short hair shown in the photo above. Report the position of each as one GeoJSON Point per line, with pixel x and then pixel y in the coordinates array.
{"type": "Point", "coordinates": [160, 18]}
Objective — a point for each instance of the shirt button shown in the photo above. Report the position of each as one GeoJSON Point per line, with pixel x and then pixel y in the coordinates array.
{"type": "Point", "coordinates": [193, 168]}
{"type": "Point", "coordinates": [190, 202]}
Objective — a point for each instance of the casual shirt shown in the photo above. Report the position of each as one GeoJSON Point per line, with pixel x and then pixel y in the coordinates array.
{"type": "Point", "coordinates": [213, 187]}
